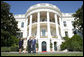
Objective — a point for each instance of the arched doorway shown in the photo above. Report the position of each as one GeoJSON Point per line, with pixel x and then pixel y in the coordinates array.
{"type": "Point", "coordinates": [55, 46]}
{"type": "Point", "coordinates": [43, 46]}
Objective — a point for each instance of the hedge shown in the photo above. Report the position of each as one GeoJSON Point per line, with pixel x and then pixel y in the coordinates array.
{"type": "Point", "coordinates": [8, 49]}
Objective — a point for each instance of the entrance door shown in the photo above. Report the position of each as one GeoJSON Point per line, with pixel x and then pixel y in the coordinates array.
{"type": "Point", "coordinates": [43, 46]}
{"type": "Point", "coordinates": [55, 46]}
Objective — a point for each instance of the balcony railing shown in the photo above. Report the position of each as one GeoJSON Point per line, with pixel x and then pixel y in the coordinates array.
{"type": "Point", "coordinates": [44, 36]}
{"type": "Point", "coordinates": [54, 36]}
{"type": "Point", "coordinates": [43, 20]}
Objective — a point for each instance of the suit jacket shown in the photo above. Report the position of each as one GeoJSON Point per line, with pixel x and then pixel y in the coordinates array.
{"type": "Point", "coordinates": [34, 42]}
{"type": "Point", "coordinates": [29, 42]}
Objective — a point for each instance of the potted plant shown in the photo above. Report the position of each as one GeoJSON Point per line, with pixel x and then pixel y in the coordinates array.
{"type": "Point", "coordinates": [50, 45]}
{"type": "Point", "coordinates": [37, 46]}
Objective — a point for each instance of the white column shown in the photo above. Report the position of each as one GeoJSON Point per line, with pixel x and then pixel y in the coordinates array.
{"type": "Point", "coordinates": [57, 32]}
{"type": "Point", "coordinates": [48, 45]}
{"type": "Point", "coordinates": [53, 46]}
{"type": "Point", "coordinates": [38, 25]}
{"type": "Point", "coordinates": [25, 35]}
{"type": "Point", "coordinates": [38, 31]}
{"type": "Point", "coordinates": [62, 31]}
{"type": "Point", "coordinates": [27, 29]}
{"type": "Point", "coordinates": [40, 45]}
{"type": "Point", "coordinates": [26, 21]}
{"type": "Point", "coordinates": [30, 25]}
{"type": "Point", "coordinates": [48, 25]}
{"type": "Point", "coordinates": [60, 25]}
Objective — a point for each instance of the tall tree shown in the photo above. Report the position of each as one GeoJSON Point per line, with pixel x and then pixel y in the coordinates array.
{"type": "Point", "coordinates": [8, 25]}
{"type": "Point", "coordinates": [79, 19]}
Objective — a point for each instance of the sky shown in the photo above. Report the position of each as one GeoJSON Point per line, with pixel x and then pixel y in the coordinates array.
{"type": "Point", "coordinates": [21, 7]}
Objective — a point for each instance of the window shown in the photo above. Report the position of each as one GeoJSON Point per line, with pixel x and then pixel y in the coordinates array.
{"type": "Point", "coordinates": [74, 31]}
{"type": "Point", "coordinates": [72, 22]}
{"type": "Point", "coordinates": [20, 35]}
{"type": "Point", "coordinates": [22, 24]}
{"type": "Point", "coordinates": [66, 33]}
{"type": "Point", "coordinates": [64, 23]}
{"type": "Point", "coordinates": [58, 19]}
{"type": "Point", "coordinates": [59, 31]}
{"type": "Point", "coordinates": [43, 32]}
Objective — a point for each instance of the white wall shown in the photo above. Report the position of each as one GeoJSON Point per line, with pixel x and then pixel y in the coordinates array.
{"type": "Point", "coordinates": [24, 29]}
{"type": "Point", "coordinates": [68, 27]}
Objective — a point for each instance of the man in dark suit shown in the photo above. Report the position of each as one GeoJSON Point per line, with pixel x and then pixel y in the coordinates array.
{"type": "Point", "coordinates": [29, 45]}
{"type": "Point", "coordinates": [34, 45]}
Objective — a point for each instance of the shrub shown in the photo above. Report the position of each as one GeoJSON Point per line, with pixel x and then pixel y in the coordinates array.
{"type": "Point", "coordinates": [14, 47]}
{"type": "Point", "coordinates": [77, 43]}
{"type": "Point", "coordinates": [73, 44]}
{"type": "Point", "coordinates": [5, 49]}
{"type": "Point", "coordinates": [8, 49]}
{"type": "Point", "coordinates": [66, 38]}
{"type": "Point", "coordinates": [63, 46]}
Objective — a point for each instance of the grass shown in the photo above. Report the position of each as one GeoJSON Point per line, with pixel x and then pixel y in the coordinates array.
{"type": "Point", "coordinates": [50, 54]}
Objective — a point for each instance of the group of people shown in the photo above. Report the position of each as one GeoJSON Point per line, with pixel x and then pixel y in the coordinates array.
{"type": "Point", "coordinates": [31, 44]}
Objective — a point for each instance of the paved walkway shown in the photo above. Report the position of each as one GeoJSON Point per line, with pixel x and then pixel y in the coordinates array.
{"type": "Point", "coordinates": [46, 52]}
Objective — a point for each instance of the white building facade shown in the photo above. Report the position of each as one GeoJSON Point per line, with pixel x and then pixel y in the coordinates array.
{"type": "Point", "coordinates": [47, 23]}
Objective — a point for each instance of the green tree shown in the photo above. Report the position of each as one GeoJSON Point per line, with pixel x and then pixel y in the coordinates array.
{"type": "Point", "coordinates": [79, 19]}
{"type": "Point", "coordinates": [8, 26]}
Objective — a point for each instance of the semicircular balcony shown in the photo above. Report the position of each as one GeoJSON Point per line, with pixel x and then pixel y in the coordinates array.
{"type": "Point", "coordinates": [43, 30]}
{"type": "Point", "coordinates": [43, 22]}
{"type": "Point", "coordinates": [43, 17]}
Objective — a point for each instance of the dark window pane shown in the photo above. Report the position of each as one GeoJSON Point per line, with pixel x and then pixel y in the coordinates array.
{"type": "Point", "coordinates": [64, 23]}
{"type": "Point", "coordinates": [66, 33]}
{"type": "Point", "coordinates": [22, 24]}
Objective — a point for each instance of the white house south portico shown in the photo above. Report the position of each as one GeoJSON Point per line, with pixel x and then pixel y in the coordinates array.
{"type": "Point", "coordinates": [47, 23]}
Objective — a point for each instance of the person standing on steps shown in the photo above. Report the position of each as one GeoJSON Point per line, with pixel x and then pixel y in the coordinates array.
{"type": "Point", "coordinates": [34, 45]}
{"type": "Point", "coordinates": [20, 45]}
{"type": "Point", "coordinates": [29, 45]}
{"type": "Point", "coordinates": [24, 45]}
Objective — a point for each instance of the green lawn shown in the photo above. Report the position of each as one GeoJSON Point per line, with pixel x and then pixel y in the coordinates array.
{"type": "Point", "coordinates": [56, 54]}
